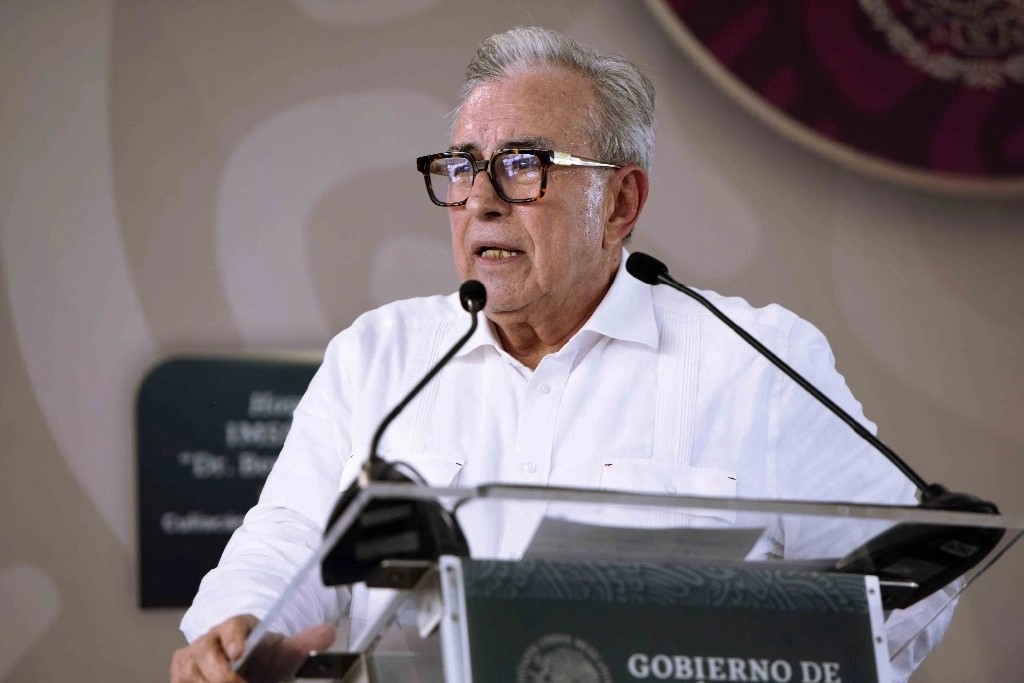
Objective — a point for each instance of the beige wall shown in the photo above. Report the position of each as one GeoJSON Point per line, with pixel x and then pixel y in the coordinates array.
{"type": "Point", "coordinates": [237, 175]}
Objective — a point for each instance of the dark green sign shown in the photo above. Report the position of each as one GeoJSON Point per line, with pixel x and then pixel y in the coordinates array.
{"type": "Point", "coordinates": [597, 621]}
{"type": "Point", "coordinates": [208, 432]}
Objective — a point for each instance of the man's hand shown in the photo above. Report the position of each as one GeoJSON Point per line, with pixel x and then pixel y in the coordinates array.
{"type": "Point", "coordinates": [276, 658]}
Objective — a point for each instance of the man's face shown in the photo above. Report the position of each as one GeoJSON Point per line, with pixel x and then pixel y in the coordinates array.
{"type": "Point", "coordinates": [544, 258]}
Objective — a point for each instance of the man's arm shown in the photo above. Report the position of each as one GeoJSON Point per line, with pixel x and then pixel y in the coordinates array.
{"type": "Point", "coordinates": [286, 527]}
{"type": "Point", "coordinates": [820, 458]}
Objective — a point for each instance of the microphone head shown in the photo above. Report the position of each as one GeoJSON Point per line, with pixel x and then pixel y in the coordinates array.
{"type": "Point", "coordinates": [645, 268]}
{"type": "Point", "coordinates": [473, 296]}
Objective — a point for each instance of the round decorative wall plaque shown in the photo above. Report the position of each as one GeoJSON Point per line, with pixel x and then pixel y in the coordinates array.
{"type": "Point", "coordinates": [929, 93]}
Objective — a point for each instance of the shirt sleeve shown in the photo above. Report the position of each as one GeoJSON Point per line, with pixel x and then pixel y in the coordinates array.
{"type": "Point", "coordinates": [818, 457]}
{"type": "Point", "coordinates": [287, 525]}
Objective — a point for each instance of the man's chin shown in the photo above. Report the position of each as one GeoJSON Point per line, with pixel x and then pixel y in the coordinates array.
{"type": "Point", "coordinates": [506, 296]}
{"type": "Point", "coordinates": [499, 307]}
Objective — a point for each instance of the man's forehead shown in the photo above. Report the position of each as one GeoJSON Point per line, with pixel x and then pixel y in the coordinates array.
{"type": "Point", "coordinates": [540, 108]}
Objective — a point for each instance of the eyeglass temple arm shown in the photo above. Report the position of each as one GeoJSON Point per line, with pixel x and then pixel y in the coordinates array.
{"type": "Point", "coordinates": [566, 159]}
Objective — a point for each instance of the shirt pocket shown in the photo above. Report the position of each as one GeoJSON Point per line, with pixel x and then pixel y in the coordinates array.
{"type": "Point", "coordinates": [657, 476]}
{"type": "Point", "coordinates": [437, 470]}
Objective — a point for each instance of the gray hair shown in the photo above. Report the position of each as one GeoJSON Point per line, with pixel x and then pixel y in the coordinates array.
{"type": "Point", "coordinates": [622, 118]}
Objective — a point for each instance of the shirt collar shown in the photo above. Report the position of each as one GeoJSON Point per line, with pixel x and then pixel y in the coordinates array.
{"type": "Point", "coordinates": [627, 310]}
{"type": "Point", "coordinates": [626, 313]}
{"type": "Point", "coordinates": [484, 335]}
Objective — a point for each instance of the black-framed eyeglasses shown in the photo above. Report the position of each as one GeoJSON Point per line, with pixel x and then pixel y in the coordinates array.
{"type": "Point", "coordinates": [518, 175]}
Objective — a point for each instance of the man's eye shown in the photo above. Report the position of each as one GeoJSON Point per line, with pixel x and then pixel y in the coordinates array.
{"type": "Point", "coordinates": [459, 170]}
{"type": "Point", "coordinates": [520, 163]}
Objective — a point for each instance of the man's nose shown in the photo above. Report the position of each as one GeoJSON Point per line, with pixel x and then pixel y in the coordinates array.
{"type": "Point", "coordinates": [483, 198]}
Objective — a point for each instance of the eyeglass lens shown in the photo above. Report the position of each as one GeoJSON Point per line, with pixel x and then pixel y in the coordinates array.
{"type": "Point", "coordinates": [518, 176]}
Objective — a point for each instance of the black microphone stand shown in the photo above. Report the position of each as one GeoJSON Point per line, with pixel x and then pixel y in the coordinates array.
{"type": "Point", "coordinates": [925, 556]}
{"type": "Point", "coordinates": [397, 529]}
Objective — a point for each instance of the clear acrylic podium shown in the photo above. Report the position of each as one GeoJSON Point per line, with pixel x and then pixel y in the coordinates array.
{"type": "Point", "coordinates": [613, 544]}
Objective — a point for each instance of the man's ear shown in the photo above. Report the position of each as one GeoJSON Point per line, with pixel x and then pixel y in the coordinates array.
{"type": "Point", "coordinates": [627, 196]}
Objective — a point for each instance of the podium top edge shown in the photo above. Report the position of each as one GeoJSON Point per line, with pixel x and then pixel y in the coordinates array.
{"type": "Point", "coordinates": [525, 493]}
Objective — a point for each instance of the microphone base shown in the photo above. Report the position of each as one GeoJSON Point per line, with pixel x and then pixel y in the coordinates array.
{"type": "Point", "coordinates": [928, 555]}
{"type": "Point", "coordinates": [397, 529]}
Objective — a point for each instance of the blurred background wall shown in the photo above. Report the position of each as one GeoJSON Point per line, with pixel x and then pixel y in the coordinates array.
{"type": "Point", "coordinates": [238, 176]}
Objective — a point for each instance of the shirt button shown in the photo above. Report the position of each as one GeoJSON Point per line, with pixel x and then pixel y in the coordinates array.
{"type": "Point", "coordinates": [670, 488]}
{"type": "Point", "coordinates": [543, 389]}
{"type": "Point", "coordinates": [530, 467]}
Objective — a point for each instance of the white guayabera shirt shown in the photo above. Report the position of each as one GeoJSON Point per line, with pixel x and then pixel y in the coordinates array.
{"type": "Point", "coordinates": [653, 394]}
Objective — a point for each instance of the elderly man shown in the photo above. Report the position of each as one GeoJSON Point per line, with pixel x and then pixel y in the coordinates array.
{"type": "Point", "coordinates": [583, 376]}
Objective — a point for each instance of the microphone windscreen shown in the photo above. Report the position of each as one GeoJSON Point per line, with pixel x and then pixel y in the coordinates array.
{"type": "Point", "coordinates": [645, 268]}
{"type": "Point", "coordinates": [473, 296]}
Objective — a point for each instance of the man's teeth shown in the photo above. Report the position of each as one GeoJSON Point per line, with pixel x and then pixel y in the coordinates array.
{"type": "Point", "coordinates": [497, 253]}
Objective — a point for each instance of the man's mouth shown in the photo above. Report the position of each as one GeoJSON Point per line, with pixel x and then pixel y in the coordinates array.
{"type": "Point", "coordinates": [496, 254]}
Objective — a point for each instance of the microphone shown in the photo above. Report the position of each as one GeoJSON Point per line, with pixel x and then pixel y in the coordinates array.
{"type": "Point", "coordinates": [398, 529]}
{"type": "Point", "coordinates": [473, 296]}
{"type": "Point", "coordinates": [928, 556]}
{"type": "Point", "coordinates": [645, 268]}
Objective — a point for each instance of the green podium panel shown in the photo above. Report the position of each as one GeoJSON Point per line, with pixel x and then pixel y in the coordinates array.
{"type": "Point", "coordinates": [600, 621]}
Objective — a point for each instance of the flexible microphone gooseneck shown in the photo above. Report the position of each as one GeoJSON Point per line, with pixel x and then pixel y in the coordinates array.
{"type": "Point", "coordinates": [652, 271]}
{"type": "Point", "coordinates": [397, 529]}
{"type": "Point", "coordinates": [473, 296]}
{"type": "Point", "coordinates": [929, 555]}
